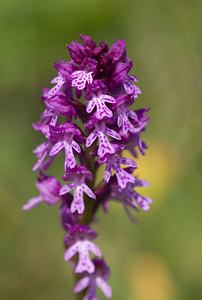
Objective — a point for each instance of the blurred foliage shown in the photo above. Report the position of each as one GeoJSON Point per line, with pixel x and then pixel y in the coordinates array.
{"type": "Point", "coordinates": [160, 258]}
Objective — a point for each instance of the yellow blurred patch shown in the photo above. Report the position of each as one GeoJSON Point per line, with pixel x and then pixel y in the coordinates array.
{"type": "Point", "coordinates": [150, 279]}
{"type": "Point", "coordinates": [100, 174]}
{"type": "Point", "coordinates": [160, 166]}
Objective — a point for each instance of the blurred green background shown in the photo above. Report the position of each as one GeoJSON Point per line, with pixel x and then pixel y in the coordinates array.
{"type": "Point", "coordinates": [160, 258]}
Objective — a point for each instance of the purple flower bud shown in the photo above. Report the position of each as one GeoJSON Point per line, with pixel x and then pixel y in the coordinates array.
{"type": "Point", "coordinates": [118, 50]}
{"type": "Point", "coordinates": [77, 52]}
{"type": "Point", "coordinates": [88, 42]}
{"type": "Point", "coordinates": [67, 218]}
{"type": "Point", "coordinates": [98, 52]}
{"type": "Point", "coordinates": [123, 99]}
{"type": "Point", "coordinates": [120, 71]}
{"type": "Point", "coordinates": [106, 62]}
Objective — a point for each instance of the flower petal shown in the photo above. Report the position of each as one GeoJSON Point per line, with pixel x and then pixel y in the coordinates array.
{"type": "Point", "coordinates": [32, 202]}
{"type": "Point", "coordinates": [66, 188]}
{"type": "Point", "coordinates": [56, 148]}
{"type": "Point", "coordinates": [71, 251]}
{"type": "Point", "coordinates": [104, 286]}
{"type": "Point", "coordinates": [82, 284]}
{"type": "Point", "coordinates": [88, 191]}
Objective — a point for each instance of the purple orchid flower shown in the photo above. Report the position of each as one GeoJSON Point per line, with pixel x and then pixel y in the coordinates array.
{"type": "Point", "coordinates": [63, 137]}
{"type": "Point", "coordinates": [131, 195]}
{"type": "Point", "coordinates": [78, 239]}
{"type": "Point", "coordinates": [60, 81]}
{"type": "Point", "coordinates": [41, 152]}
{"type": "Point", "coordinates": [96, 279]}
{"type": "Point", "coordinates": [102, 110]}
{"type": "Point", "coordinates": [123, 119]}
{"type": "Point", "coordinates": [131, 88]}
{"type": "Point", "coordinates": [114, 162]}
{"type": "Point", "coordinates": [80, 78]}
{"type": "Point", "coordinates": [79, 175]}
{"type": "Point", "coordinates": [101, 132]}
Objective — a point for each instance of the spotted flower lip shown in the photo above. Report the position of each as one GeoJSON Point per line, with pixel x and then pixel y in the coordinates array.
{"type": "Point", "coordinates": [131, 195]}
{"type": "Point", "coordinates": [101, 132]}
{"type": "Point", "coordinates": [78, 240]}
{"type": "Point", "coordinates": [123, 119]}
{"type": "Point", "coordinates": [79, 175]}
{"type": "Point", "coordinates": [43, 127]}
{"type": "Point", "coordinates": [131, 88]}
{"type": "Point", "coordinates": [59, 83]}
{"type": "Point", "coordinates": [81, 78]}
{"type": "Point", "coordinates": [102, 111]}
{"type": "Point", "coordinates": [62, 137]}
{"type": "Point", "coordinates": [96, 279]}
{"type": "Point", "coordinates": [114, 162]}
{"type": "Point", "coordinates": [51, 116]}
